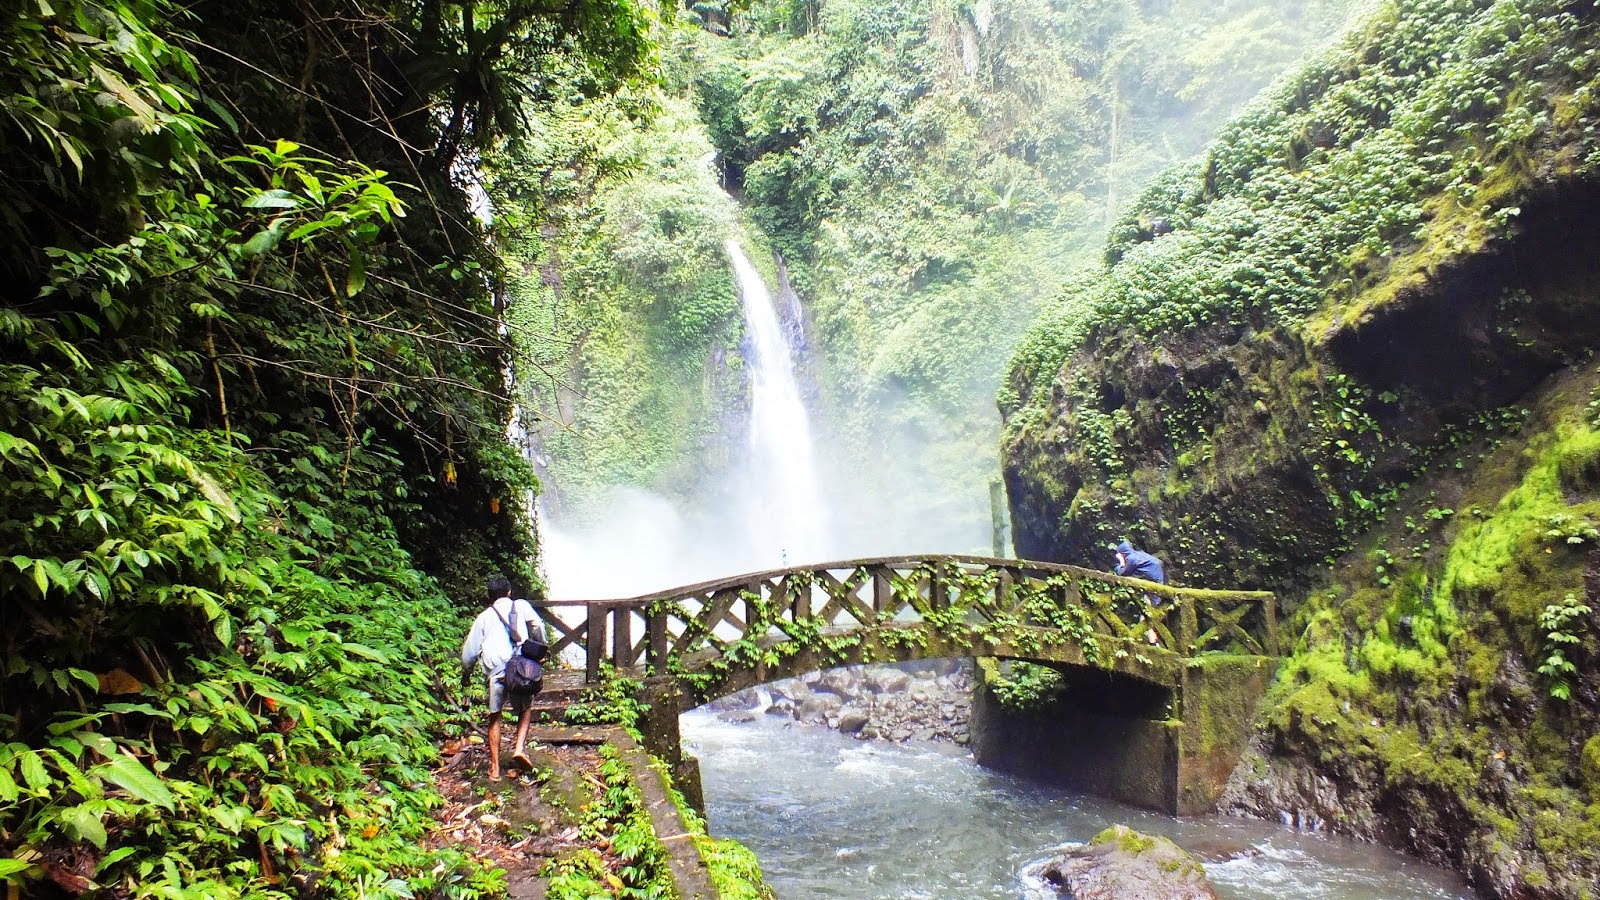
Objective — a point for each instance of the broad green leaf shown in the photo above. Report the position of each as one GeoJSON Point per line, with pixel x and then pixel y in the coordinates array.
{"type": "Point", "coordinates": [33, 771]}
{"type": "Point", "coordinates": [88, 678]}
{"type": "Point", "coordinates": [277, 198]}
{"type": "Point", "coordinates": [13, 866]}
{"type": "Point", "coordinates": [131, 775]}
{"type": "Point", "coordinates": [99, 743]}
{"type": "Point", "coordinates": [83, 823]}
{"type": "Point", "coordinates": [358, 275]}
{"type": "Point", "coordinates": [263, 242]}
{"type": "Point", "coordinates": [114, 857]}
{"type": "Point", "coordinates": [365, 652]}
{"type": "Point", "coordinates": [231, 818]}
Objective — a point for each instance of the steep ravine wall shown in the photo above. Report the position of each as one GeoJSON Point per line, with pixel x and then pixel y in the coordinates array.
{"type": "Point", "coordinates": [1246, 504]}
{"type": "Point", "coordinates": [1359, 371]}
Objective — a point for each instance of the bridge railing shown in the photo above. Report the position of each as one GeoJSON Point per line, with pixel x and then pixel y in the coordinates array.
{"type": "Point", "coordinates": [1095, 608]}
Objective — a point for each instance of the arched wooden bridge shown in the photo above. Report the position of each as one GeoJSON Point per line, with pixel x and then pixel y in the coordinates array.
{"type": "Point", "coordinates": [1202, 658]}
{"type": "Point", "coordinates": [720, 636]}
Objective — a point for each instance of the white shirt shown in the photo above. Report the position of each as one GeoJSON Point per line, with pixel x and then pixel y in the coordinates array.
{"type": "Point", "coordinates": [488, 644]}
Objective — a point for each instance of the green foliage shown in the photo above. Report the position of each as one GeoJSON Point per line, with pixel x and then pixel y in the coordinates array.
{"type": "Point", "coordinates": [245, 421]}
{"type": "Point", "coordinates": [612, 227]}
{"type": "Point", "coordinates": [619, 816]}
{"type": "Point", "coordinates": [1560, 622]}
{"type": "Point", "coordinates": [928, 171]}
{"type": "Point", "coordinates": [614, 701]}
{"type": "Point", "coordinates": [486, 60]}
{"type": "Point", "coordinates": [1423, 670]}
{"type": "Point", "coordinates": [933, 172]}
{"type": "Point", "coordinates": [1404, 125]}
{"type": "Point", "coordinates": [1026, 686]}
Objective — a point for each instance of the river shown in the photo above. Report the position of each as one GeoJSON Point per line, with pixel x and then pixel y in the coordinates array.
{"type": "Point", "coordinates": [833, 817]}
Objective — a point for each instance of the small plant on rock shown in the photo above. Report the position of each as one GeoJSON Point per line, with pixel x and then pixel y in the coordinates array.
{"type": "Point", "coordinates": [1559, 622]}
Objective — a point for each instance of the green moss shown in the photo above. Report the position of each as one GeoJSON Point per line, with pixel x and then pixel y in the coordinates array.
{"type": "Point", "coordinates": [1589, 767]}
{"type": "Point", "coordinates": [1219, 700]}
{"type": "Point", "coordinates": [1125, 839]}
{"type": "Point", "coordinates": [1505, 556]}
{"type": "Point", "coordinates": [1416, 669]}
{"type": "Point", "coordinates": [1579, 463]}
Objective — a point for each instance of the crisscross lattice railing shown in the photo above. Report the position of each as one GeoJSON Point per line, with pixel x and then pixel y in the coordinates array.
{"type": "Point", "coordinates": [732, 618]}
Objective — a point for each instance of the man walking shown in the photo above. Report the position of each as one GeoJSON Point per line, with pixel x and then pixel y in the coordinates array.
{"type": "Point", "coordinates": [496, 634]}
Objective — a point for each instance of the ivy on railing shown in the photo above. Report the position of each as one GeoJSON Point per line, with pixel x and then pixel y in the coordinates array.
{"type": "Point", "coordinates": [895, 608]}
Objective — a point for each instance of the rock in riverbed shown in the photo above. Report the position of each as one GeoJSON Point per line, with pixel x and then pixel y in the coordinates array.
{"type": "Point", "coordinates": [926, 701]}
{"type": "Point", "coordinates": [1123, 864]}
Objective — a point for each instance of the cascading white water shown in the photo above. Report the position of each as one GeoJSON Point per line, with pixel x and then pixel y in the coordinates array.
{"type": "Point", "coordinates": [774, 514]}
{"type": "Point", "coordinates": [788, 521]}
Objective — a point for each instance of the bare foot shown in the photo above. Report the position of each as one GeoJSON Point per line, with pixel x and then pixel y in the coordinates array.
{"type": "Point", "coordinates": [494, 776]}
{"type": "Point", "coordinates": [522, 758]}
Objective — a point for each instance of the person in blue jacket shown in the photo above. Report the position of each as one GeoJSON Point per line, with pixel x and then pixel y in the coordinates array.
{"type": "Point", "coordinates": [1138, 564]}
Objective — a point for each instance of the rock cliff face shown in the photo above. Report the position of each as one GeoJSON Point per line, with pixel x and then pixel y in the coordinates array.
{"type": "Point", "coordinates": [1359, 371]}
{"type": "Point", "coordinates": [1247, 453]}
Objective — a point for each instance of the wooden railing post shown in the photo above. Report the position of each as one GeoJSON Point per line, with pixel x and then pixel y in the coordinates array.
{"type": "Point", "coordinates": [1269, 609]}
{"type": "Point", "coordinates": [1188, 624]}
{"type": "Point", "coordinates": [622, 639]}
{"type": "Point", "coordinates": [656, 639]}
{"type": "Point", "coordinates": [594, 642]}
{"type": "Point", "coordinates": [882, 591]}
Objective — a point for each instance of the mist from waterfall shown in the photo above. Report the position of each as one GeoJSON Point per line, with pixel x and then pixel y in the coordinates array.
{"type": "Point", "coordinates": [770, 510]}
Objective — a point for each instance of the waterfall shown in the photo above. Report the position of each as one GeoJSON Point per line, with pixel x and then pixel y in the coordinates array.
{"type": "Point", "coordinates": [767, 513]}
{"type": "Point", "coordinates": [787, 519]}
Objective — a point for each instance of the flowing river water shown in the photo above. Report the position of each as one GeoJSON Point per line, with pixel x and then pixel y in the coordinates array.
{"type": "Point", "coordinates": [833, 817]}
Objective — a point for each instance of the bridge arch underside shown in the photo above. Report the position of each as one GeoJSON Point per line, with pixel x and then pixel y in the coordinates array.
{"type": "Point", "coordinates": [709, 674]}
{"type": "Point", "coordinates": [1134, 723]}
{"type": "Point", "coordinates": [1186, 650]}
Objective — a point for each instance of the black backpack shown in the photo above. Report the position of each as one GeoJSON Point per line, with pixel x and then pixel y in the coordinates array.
{"type": "Point", "coordinates": [524, 677]}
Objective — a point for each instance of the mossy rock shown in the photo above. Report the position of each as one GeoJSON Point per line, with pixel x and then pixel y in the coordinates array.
{"type": "Point", "coordinates": [1122, 864]}
{"type": "Point", "coordinates": [1579, 464]}
{"type": "Point", "coordinates": [1589, 767]}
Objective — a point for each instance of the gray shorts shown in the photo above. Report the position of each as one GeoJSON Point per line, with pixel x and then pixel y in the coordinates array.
{"type": "Point", "coordinates": [497, 696]}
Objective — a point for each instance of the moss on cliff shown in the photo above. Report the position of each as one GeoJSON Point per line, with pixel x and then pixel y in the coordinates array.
{"type": "Point", "coordinates": [1415, 683]}
{"type": "Point", "coordinates": [620, 295]}
{"type": "Point", "coordinates": [1358, 370]}
{"type": "Point", "coordinates": [1384, 192]}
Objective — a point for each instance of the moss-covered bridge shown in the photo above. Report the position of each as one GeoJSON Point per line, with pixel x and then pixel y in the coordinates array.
{"type": "Point", "coordinates": [1199, 658]}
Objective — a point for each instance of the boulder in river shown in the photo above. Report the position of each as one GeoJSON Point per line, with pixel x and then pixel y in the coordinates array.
{"type": "Point", "coordinates": [1123, 864]}
{"type": "Point", "coordinates": [852, 720]}
{"type": "Point", "coordinates": [887, 679]}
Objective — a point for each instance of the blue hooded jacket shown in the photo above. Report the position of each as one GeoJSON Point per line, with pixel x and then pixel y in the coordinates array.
{"type": "Point", "coordinates": [1139, 564]}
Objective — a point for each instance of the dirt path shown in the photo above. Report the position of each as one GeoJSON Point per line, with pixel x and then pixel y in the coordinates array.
{"type": "Point", "coordinates": [526, 819]}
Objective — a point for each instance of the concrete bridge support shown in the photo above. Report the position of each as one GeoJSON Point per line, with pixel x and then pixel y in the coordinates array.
{"type": "Point", "coordinates": [665, 699]}
{"type": "Point", "coordinates": [1167, 749]}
